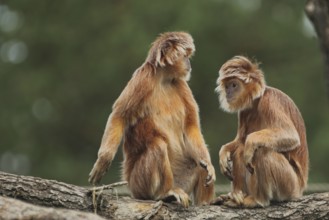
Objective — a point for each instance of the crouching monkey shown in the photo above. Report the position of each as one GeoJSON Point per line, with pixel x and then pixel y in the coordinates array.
{"type": "Point", "coordinates": [268, 159]}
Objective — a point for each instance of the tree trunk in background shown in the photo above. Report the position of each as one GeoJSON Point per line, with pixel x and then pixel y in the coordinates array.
{"type": "Point", "coordinates": [65, 199]}
{"type": "Point", "coordinates": [318, 13]}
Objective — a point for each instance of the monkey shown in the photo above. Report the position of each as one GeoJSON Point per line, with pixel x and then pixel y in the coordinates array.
{"type": "Point", "coordinates": [268, 159]}
{"type": "Point", "coordinates": [156, 115]}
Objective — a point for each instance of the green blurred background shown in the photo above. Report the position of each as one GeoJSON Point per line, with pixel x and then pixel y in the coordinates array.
{"type": "Point", "coordinates": [63, 64]}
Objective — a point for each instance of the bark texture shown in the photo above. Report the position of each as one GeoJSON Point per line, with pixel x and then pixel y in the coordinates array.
{"type": "Point", "coordinates": [318, 13]}
{"type": "Point", "coordinates": [16, 209]}
{"type": "Point", "coordinates": [59, 196]}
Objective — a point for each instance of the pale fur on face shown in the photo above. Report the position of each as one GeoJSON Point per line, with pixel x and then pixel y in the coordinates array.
{"type": "Point", "coordinates": [242, 68]}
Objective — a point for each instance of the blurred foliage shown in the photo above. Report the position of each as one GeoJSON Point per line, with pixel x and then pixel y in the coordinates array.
{"type": "Point", "coordinates": [63, 64]}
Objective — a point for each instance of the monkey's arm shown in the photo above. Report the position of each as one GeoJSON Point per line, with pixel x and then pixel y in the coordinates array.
{"type": "Point", "coordinates": [109, 146]}
{"type": "Point", "coordinates": [279, 132]}
{"type": "Point", "coordinates": [280, 136]}
{"type": "Point", "coordinates": [278, 139]}
{"type": "Point", "coordinates": [196, 146]}
{"type": "Point", "coordinates": [199, 151]}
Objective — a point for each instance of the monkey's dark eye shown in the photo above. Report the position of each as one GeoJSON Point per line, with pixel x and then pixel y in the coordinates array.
{"type": "Point", "coordinates": [234, 85]}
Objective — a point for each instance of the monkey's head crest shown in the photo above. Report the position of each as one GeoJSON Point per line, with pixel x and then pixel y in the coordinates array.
{"type": "Point", "coordinates": [248, 72]}
{"type": "Point", "coordinates": [242, 68]}
{"type": "Point", "coordinates": [169, 47]}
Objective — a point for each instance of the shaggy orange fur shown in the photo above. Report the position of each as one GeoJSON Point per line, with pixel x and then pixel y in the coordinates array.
{"type": "Point", "coordinates": [157, 116]}
{"type": "Point", "coordinates": [268, 160]}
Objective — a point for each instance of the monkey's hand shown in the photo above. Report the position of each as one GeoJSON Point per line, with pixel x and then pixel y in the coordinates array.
{"type": "Point", "coordinates": [211, 177]}
{"type": "Point", "coordinates": [100, 168]}
{"type": "Point", "coordinates": [225, 163]}
{"type": "Point", "coordinates": [248, 154]}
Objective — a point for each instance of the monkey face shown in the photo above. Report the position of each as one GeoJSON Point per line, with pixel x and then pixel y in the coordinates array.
{"type": "Point", "coordinates": [180, 69]}
{"type": "Point", "coordinates": [187, 68]}
{"type": "Point", "coordinates": [187, 62]}
{"type": "Point", "coordinates": [235, 94]}
{"type": "Point", "coordinates": [240, 82]}
{"type": "Point", "coordinates": [233, 89]}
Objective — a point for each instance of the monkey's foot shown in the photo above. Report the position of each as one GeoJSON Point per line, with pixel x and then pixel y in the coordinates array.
{"type": "Point", "coordinates": [222, 199]}
{"type": "Point", "coordinates": [176, 195]}
{"type": "Point", "coordinates": [218, 201]}
{"type": "Point", "coordinates": [233, 199]}
{"type": "Point", "coordinates": [238, 200]}
{"type": "Point", "coordinates": [250, 202]}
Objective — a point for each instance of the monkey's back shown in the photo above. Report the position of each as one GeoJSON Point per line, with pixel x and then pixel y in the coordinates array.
{"type": "Point", "coordinates": [298, 156]}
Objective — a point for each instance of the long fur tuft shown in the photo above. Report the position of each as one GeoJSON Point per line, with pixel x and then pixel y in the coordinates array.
{"type": "Point", "coordinates": [169, 47]}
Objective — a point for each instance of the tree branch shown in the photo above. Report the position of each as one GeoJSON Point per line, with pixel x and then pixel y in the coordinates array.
{"type": "Point", "coordinates": [16, 209]}
{"type": "Point", "coordinates": [60, 195]}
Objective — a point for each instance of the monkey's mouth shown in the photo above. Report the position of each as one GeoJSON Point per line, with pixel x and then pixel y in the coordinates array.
{"type": "Point", "coordinates": [232, 101]}
{"type": "Point", "coordinates": [229, 96]}
{"type": "Point", "coordinates": [187, 75]}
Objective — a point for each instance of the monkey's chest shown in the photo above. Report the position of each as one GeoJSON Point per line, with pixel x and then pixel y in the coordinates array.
{"type": "Point", "coordinates": [169, 118]}
{"type": "Point", "coordinates": [167, 109]}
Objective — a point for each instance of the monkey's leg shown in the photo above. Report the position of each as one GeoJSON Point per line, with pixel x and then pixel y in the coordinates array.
{"type": "Point", "coordinates": [239, 187]}
{"type": "Point", "coordinates": [273, 179]}
{"type": "Point", "coordinates": [151, 177]}
{"type": "Point", "coordinates": [239, 171]}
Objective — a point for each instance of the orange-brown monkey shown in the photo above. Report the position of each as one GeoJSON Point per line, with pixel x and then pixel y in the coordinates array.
{"type": "Point", "coordinates": [165, 156]}
{"type": "Point", "coordinates": [268, 159]}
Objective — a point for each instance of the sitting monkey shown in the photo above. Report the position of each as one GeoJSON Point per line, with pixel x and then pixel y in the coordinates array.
{"type": "Point", "coordinates": [268, 159]}
{"type": "Point", "coordinates": [165, 155]}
